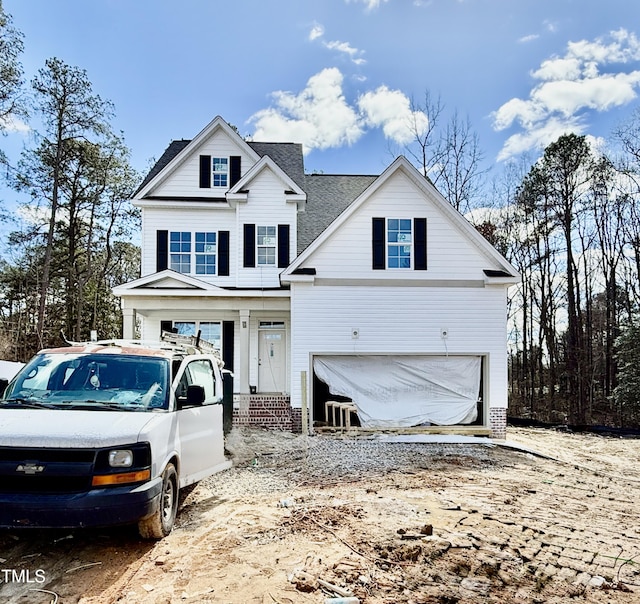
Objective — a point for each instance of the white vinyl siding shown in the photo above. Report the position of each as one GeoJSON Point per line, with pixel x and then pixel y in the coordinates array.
{"type": "Point", "coordinates": [266, 205]}
{"type": "Point", "coordinates": [450, 253]}
{"type": "Point", "coordinates": [400, 320]}
{"type": "Point", "coordinates": [193, 221]}
{"type": "Point", "coordinates": [185, 181]}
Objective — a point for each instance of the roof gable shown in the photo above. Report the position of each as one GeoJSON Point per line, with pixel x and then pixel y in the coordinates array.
{"type": "Point", "coordinates": [401, 166]}
{"type": "Point", "coordinates": [179, 152]}
{"type": "Point", "coordinates": [166, 279]}
{"type": "Point", "coordinates": [238, 191]}
{"type": "Point", "coordinates": [286, 155]}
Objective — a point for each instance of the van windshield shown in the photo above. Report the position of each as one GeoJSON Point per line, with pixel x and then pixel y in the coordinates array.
{"type": "Point", "coordinates": [91, 381]}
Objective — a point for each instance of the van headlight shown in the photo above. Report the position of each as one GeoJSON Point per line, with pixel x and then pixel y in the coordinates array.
{"type": "Point", "coordinates": [121, 458]}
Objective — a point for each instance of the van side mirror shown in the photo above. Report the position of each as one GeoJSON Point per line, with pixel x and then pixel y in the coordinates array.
{"type": "Point", "coordinates": [195, 395]}
{"type": "Point", "coordinates": [3, 386]}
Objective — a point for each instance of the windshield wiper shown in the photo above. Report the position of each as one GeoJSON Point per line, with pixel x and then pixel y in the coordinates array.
{"type": "Point", "coordinates": [25, 402]}
{"type": "Point", "coordinates": [91, 404]}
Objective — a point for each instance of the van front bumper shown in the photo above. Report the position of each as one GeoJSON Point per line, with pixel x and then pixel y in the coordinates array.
{"type": "Point", "coordinates": [98, 507]}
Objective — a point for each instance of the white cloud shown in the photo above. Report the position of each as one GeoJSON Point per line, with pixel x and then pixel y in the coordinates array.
{"type": "Point", "coordinates": [13, 124]}
{"type": "Point", "coordinates": [370, 4]}
{"type": "Point", "coordinates": [317, 31]}
{"type": "Point", "coordinates": [346, 48]}
{"type": "Point", "coordinates": [540, 137]}
{"type": "Point", "coordinates": [391, 110]}
{"type": "Point", "coordinates": [569, 87]}
{"type": "Point", "coordinates": [558, 69]}
{"type": "Point", "coordinates": [320, 116]}
{"type": "Point", "coordinates": [354, 54]}
{"type": "Point", "coordinates": [529, 38]}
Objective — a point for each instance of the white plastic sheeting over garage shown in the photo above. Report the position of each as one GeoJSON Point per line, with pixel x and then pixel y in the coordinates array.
{"type": "Point", "coordinates": [402, 391]}
{"type": "Point", "coordinates": [9, 368]}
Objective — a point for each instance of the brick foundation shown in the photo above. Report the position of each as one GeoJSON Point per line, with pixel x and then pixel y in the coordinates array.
{"type": "Point", "coordinates": [498, 423]}
{"type": "Point", "coordinates": [271, 411]}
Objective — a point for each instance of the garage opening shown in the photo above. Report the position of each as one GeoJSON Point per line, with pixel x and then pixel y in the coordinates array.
{"type": "Point", "coordinates": [398, 391]}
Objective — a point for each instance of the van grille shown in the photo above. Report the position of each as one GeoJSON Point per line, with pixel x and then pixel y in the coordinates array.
{"type": "Point", "coordinates": [39, 470]}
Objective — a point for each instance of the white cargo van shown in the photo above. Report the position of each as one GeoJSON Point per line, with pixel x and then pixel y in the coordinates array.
{"type": "Point", "coordinates": [108, 432]}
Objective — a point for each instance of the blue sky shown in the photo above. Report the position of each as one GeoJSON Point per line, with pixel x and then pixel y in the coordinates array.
{"type": "Point", "coordinates": [338, 75]}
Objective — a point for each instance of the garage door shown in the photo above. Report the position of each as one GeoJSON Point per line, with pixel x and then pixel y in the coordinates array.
{"type": "Point", "coordinates": [402, 391]}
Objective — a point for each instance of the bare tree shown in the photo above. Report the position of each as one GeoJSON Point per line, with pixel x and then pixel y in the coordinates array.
{"type": "Point", "coordinates": [449, 154]}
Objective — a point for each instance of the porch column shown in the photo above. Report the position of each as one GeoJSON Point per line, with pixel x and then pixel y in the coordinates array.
{"type": "Point", "coordinates": [243, 370]}
{"type": "Point", "coordinates": [128, 323]}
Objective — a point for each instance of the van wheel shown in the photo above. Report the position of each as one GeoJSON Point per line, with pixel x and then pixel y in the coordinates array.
{"type": "Point", "coordinates": [159, 524]}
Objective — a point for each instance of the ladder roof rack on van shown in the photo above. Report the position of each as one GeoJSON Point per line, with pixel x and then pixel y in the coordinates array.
{"type": "Point", "coordinates": [168, 341]}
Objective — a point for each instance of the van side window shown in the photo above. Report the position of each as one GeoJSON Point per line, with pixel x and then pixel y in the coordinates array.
{"type": "Point", "coordinates": [198, 372]}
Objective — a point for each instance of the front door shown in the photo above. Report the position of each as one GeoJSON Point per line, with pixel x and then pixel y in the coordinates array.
{"type": "Point", "coordinates": [272, 361]}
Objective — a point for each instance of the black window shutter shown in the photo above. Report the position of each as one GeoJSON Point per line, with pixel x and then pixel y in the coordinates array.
{"type": "Point", "coordinates": [162, 250]}
{"type": "Point", "coordinates": [283, 245]}
{"type": "Point", "coordinates": [223, 253]}
{"type": "Point", "coordinates": [420, 244]}
{"type": "Point", "coordinates": [236, 171]}
{"type": "Point", "coordinates": [378, 244]}
{"type": "Point", "coordinates": [249, 245]}
{"type": "Point", "coordinates": [205, 171]}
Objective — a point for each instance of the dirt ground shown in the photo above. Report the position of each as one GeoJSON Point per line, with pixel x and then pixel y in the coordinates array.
{"type": "Point", "coordinates": [303, 519]}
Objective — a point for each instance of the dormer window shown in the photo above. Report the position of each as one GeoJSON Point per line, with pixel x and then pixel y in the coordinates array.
{"type": "Point", "coordinates": [220, 171]}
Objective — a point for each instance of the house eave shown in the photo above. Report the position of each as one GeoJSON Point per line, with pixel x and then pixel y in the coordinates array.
{"type": "Point", "coordinates": [173, 292]}
{"type": "Point", "coordinates": [285, 279]}
{"type": "Point", "coordinates": [182, 202]}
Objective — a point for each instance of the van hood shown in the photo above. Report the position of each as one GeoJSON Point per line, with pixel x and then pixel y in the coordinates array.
{"type": "Point", "coordinates": [72, 429]}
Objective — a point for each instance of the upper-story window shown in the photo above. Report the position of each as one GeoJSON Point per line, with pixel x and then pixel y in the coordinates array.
{"type": "Point", "coordinates": [193, 253]}
{"type": "Point", "coordinates": [183, 255]}
{"type": "Point", "coordinates": [206, 253]}
{"type": "Point", "coordinates": [266, 245]}
{"type": "Point", "coordinates": [180, 251]}
{"type": "Point", "coordinates": [399, 243]}
{"type": "Point", "coordinates": [220, 171]}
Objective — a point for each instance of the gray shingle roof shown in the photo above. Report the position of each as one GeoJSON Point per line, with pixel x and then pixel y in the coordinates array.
{"type": "Point", "coordinates": [170, 152]}
{"type": "Point", "coordinates": [287, 156]}
{"type": "Point", "coordinates": [328, 195]}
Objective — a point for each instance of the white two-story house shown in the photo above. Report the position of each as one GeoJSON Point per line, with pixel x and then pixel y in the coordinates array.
{"type": "Point", "coordinates": [370, 289]}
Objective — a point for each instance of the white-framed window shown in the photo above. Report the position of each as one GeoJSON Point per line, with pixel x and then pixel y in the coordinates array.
{"type": "Point", "coordinates": [399, 242]}
{"type": "Point", "coordinates": [219, 171]}
{"type": "Point", "coordinates": [271, 325]}
{"type": "Point", "coordinates": [206, 253]}
{"type": "Point", "coordinates": [211, 331]}
{"type": "Point", "coordinates": [187, 250]}
{"type": "Point", "coordinates": [266, 245]}
{"type": "Point", "coordinates": [180, 251]}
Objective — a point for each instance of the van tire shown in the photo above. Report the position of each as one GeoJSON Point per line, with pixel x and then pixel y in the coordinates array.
{"type": "Point", "coordinates": [160, 523]}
